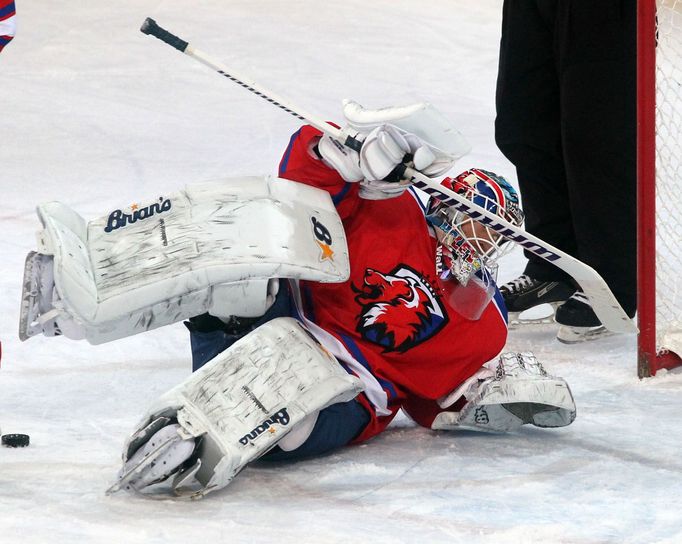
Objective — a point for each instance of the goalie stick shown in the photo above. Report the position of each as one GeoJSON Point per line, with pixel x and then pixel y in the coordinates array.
{"type": "Point", "coordinates": [604, 303]}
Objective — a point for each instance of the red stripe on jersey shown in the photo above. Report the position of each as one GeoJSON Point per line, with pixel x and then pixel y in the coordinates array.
{"type": "Point", "coordinates": [7, 9]}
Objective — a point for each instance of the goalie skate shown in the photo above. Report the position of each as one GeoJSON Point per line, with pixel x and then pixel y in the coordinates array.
{"type": "Point", "coordinates": [36, 314]}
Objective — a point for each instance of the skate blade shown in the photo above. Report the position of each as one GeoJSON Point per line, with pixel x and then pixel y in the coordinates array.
{"type": "Point", "coordinates": [578, 335]}
{"type": "Point", "coordinates": [542, 314]}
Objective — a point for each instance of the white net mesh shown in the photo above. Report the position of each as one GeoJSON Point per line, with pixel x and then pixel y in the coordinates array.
{"type": "Point", "coordinates": [669, 173]}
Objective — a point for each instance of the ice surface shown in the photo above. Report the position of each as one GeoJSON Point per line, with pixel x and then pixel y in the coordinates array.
{"type": "Point", "coordinates": [97, 115]}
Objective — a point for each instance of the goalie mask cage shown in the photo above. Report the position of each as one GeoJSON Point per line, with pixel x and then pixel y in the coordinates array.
{"type": "Point", "coordinates": [659, 195]}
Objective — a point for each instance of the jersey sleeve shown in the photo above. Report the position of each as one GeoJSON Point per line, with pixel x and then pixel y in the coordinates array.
{"type": "Point", "coordinates": [7, 22]}
{"type": "Point", "coordinates": [300, 163]}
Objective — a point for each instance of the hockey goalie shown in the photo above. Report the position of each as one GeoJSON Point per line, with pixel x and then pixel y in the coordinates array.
{"type": "Point", "coordinates": [319, 304]}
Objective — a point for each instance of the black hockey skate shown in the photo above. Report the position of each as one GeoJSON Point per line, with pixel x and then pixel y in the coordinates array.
{"type": "Point", "coordinates": [578, 322]}
{"type": "Point", "coordinates": [525, 293]}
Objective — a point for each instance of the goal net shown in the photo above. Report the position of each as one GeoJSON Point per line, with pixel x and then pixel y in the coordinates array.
{"type": "Point", "coordinates": [660, 184]}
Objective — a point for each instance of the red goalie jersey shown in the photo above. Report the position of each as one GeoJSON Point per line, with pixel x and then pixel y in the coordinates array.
{"type": "Point", "coordinates": [7, 22]}
{"type": "Point", "coordinates": [392, 316]}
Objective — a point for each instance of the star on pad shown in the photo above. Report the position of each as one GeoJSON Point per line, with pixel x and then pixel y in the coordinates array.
{"type": "Point", "coordinates": [327, 252]}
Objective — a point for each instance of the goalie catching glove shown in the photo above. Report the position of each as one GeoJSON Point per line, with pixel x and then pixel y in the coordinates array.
{"type": "Point", "coordinates": [417, 136]}
{"type": "Point", "coordinates": [517, 391]}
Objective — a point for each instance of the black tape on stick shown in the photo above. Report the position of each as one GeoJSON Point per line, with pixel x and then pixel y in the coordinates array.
{"type": "Point", "coordinates": [150, 27]}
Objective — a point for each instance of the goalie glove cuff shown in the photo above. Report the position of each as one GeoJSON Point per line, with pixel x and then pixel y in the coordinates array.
{"type": "Point", "coordinates": [341, 158]}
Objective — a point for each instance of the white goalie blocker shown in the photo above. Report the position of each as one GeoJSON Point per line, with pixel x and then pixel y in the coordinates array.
{"type": "Point", "coordinates": [213, 247]}
{"type": "Point", "coordinates": [263, 391]}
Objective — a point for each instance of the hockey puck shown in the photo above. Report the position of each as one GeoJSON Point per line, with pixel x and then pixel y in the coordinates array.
{"type": "Point", "coordinates": [15, 440]}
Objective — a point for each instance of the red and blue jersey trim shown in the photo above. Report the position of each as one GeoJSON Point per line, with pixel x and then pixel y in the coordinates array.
{"type": "Point", "coordinates": [284, 163]}
{"type": "Point", "coordinates": [356, 352]}
{"type": "Point", "coordinates": [7, 10]}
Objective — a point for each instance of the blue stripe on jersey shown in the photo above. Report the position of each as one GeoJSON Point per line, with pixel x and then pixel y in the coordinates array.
{"type": "Point", "coordinates": [498, 299]}
{"type": "Point", "coordinates": [285, 159]}
{"type": "Point", "coordinates": [7, 10]}
{"type": "Point", "coordinates": [501, 306]}
{"type": "Point", "coordinates": [4, 40]}
{"type": "Point", "coordinates": [354, 350]}
{"type": "Point", "coordinates": [341, 194]}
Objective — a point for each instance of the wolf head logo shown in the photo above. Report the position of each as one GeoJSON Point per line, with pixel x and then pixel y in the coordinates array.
{"type": "Point", "coordinates": [398, 310]}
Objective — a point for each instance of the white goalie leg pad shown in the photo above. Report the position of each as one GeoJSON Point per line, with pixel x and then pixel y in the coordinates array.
{"type": "Point", "coordinates": [213, 247]}
{"type": "Point", "coordinates": [269, 384]}
{"type": "Point", "coordinates": [521, 392]}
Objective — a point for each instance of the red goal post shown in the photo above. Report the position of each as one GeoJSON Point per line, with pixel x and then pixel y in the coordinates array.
{"type": "Point", "coordinates": [659, 193]}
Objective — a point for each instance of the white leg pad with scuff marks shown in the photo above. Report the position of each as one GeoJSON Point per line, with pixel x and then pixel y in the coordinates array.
{"type": "Point", "coordinates": [240, 405]}
{"type": "Point", "coordinates": [213, 247]}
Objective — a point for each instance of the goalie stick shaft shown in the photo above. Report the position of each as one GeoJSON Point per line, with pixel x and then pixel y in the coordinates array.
{"type": "Point", "coordinates": [603, 301]}
{"type": "Point", "coordinates": [151, 28]}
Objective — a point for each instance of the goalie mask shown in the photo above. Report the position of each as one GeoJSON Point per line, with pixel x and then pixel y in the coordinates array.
{"type": "Point", "coordinates": [495, 194]}
{"type": "Point", "coordinates": [468, 249]}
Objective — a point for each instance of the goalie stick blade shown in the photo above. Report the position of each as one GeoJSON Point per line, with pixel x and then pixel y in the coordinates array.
{"type": "Point", "coordinates": [603, 302]}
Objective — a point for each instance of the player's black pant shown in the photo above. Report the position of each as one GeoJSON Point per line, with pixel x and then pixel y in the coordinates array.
{"type": "Point", "coordinates": [566, 118]}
